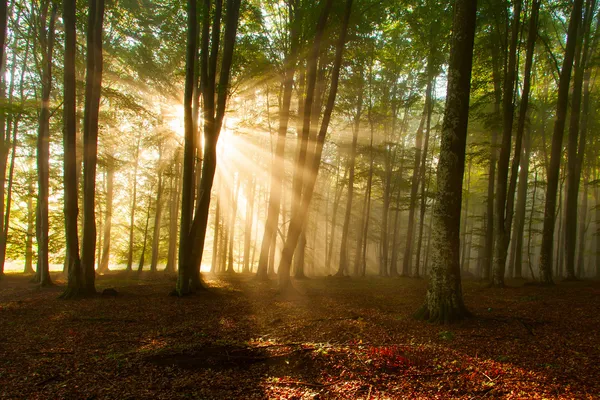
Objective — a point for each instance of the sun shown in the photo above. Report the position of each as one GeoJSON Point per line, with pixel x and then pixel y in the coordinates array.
{"type": "Point", "coordinates": [174, 119]}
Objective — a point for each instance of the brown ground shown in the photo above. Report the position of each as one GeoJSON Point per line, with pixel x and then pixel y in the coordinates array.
{"type": "Point", "coordinates": [342, 338]}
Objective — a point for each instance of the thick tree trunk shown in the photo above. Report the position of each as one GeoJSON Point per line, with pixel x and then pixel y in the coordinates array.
{"type": "Point", "coordinates": [557, 140]}
{"type": "Point", "coordinates": [444, 302]}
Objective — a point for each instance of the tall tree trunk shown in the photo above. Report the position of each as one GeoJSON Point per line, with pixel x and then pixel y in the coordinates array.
{"type": "Point", "coordinates": [145, 240]}
{"type": "Point", "coordinates": [297, 221]}
{"type": "Point", "coordinates": [530, 230]}
{"type": "Point", "coordinates": [465, 221]}
{"type": "Point", "coordinates": [444, 301]}
{"type": "Point", "coordinates": [110, 188]}
{"type": "Point", "coordinates": [575, 149]}
{"type": "Point", "coordinates": [407, 263]}
{"type": "Point", "coordinates": [173, 211]}
{"type": "Point", "coordinates": [249, 221]}
{"type": "Point", "coordinates": [363, 229]}
{"type": "Point", "coordinates": [136, 159]}
{"type": "Point", "coordinates": [425, 182]}
{"type": "Point", "coordinates": [3, 128]}
{"type": "Point", "coordinates": [557, 145]}
{"type": "Point", "coordinates": [28, 268]}
{"type": "Point", "coordinates": [343, 267]}
{"type": "Point", "coordinates": [93, 87]}
{"type": "Point", "coordinates": [10, 123]}
{"type": "Point", "coordinates": [516, 258]}
{"type": "Point", "coordinates": [503, 198]}
{"type": "Point", "coordinates": [193, 231]}
{"type": "Point", "coordinates": [278, 168]}
{"type": "Point", "coordinates": [582, 228]}
{"type": "Point", "coordinates": [43, 143]}
{"type": "Point", "coordinates": [234, 204]}
{"type": "Point", "coordinates": [215, 254]}
{"type": "Point", "coordinates": [157, 224]}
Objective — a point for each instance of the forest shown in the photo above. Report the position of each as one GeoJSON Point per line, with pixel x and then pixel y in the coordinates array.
{"type": "Point", "coordinates": [299, 199]}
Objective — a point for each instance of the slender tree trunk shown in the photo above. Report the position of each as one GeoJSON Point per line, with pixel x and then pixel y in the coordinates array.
{"type": "Point", "coordinates": [248, 225]}
{"type": "Point", "coordinates": [575, 149]}
{"type": "Point", "coordinates": [363, 230]}
{"type": "Point", "coordinates": [557, 140]}
{"type": "Point", "coordinates": [296, 222]}
{"type": "Point", "coordinates": [234, 203]}
{"type": "Point", "coordinates": [466, 217]}
{"type": "Point", "coordinates": [425, 182]}
{"type": "Point", "coordinates": [90, 139]}
{"type": "Point", "coordinates": [28, 269]}
{"type": "Point", "coordinates": [530, 230]}
{"type": "Point", "coordinates": [504, 200]}
{"type": "Point", "coordinates": [145, 240]}
{"type": "Point", "coordinates": [444, 301]}
{"type": "Point", "coordinates": [110, 188]}
{"type": "Point", "coordinates": [157, 224]}
{"type": "Point", "coordinates": [43, 143]}
{"type": "Point", "coordinates": [193, 231]}
{"type": "Point", "coordinates": [217, 232]}
{"type": "Point", "coordinates": [133, 203]}
{"type": "Point", "coordinates": [516, 258]}
{"type": "Point", "coordinates": [277, 171]}
{"type": "Point", "coordinates": [407, 263]}
{"type": "Point", "coordinates": [343, 267]}
{"type": "Point", "coordinates": [582, 228]}
{"type": "Point", "coordinates": [173, 211]}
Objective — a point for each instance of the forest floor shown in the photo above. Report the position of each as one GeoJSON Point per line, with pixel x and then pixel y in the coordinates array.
{"type": "Point", "coordinates": [340, 338]}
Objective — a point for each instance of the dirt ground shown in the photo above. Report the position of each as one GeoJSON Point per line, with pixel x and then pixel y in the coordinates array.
{"type": "Point", "coordinates": [340, 338]}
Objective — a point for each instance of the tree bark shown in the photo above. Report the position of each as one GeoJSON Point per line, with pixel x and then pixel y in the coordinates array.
{"type": "Point", "coordinates": [133, 203]}
{"type": "Point", "coordinates": [110, 188]}
{"type": "Point", "coordinates": [43, 143]}
{"type": "Point", "coordinates": [343, 267]}
{"type": "Point", "coordinates": [575, 149]}
{"type": "Point", "coordinates": [298, 218]}
{"type": "Point", "coordinates": [278, 168]}
{"type": "Point", "coordinates": [557, 140]}
{"type": "Point", "coordinates": [444, 301]}
{"type": "Point", "coordinates": [504, 204]}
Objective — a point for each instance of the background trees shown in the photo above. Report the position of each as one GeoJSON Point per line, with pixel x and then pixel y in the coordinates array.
{"type": "Point", "coordinates": [288, 90]}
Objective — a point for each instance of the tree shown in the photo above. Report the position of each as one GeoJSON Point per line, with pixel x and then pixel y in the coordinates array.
{"type": "Point", "coordinates": [194, 222]}
{"type": "Point", "coordinates": [43, 142]}
{"type": "Point", "coordinates": [443, 301]}
{"type": "Point", "coordinates": [546, 256]}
